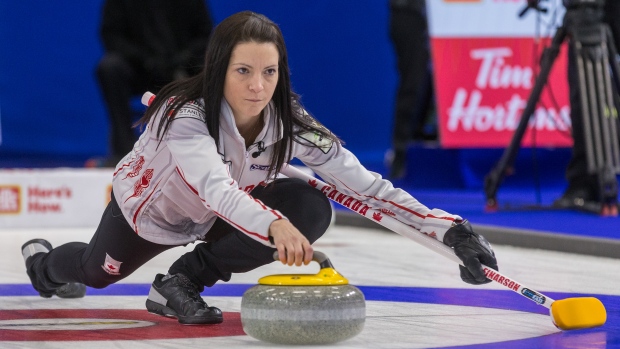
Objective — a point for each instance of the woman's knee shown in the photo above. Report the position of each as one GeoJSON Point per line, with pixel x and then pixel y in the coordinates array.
{"type": "Point", "coordinates": [315, 202]}
{"type": "Point", "coordinates": [305, 206]}
{"type": "Point", "coordinates": [318, 216]}
{"type": "Point", "coordinates": [297, 190]}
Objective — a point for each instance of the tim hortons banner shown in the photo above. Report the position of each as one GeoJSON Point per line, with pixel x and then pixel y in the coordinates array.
{"type": "Point", "coordinates": [485, 63]}
{"type": "Point", "coordinates": [53, 197]}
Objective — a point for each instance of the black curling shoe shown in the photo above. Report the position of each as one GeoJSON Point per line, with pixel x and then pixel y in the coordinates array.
{"type": "Point", "coordinates": [178, 297]}
{"type": "Point", "coordinates": [30, 250]}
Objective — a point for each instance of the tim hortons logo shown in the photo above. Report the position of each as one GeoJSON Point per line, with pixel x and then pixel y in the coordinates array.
{"type": "Point", "coordinates": [10, 202]}
{"type": "Point", "coordinates": [345, 200]}
{"type": "Point", "coordinates": [469, 112]}
{"type": "Point", "coordinates": [493, 275]}
{"type": "Point", "coordinates": [494, 73]}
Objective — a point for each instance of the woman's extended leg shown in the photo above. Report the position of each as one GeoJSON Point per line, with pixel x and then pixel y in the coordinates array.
{"type": "Point", "coordinates": [114, 252]}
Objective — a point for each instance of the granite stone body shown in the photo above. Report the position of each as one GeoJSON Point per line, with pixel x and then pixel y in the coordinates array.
{"type": "Point", "coordinates": [303, 314]}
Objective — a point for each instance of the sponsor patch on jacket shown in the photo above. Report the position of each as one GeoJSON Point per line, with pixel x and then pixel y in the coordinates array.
{"type": "Point", "coordinates": [136, 166]}
{"type": "Point", "coordinates": [140, 186]}
{"type": "Point", "coordinates": [316, 138]}
{"type": "Point", "coordinates": [256, 167]}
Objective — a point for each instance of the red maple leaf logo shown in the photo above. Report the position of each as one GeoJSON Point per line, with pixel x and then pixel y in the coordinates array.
{"type": "Point", "coordinates": [431, 234]}
{"type": "Point", "coordinates": [377, 216]}
{"type": "Point", "coordinates": [111, 267]}
{"type": "Point", "coordinates": [312, 182]}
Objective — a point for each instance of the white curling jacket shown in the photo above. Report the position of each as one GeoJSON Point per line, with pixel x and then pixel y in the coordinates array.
{"type": "Point", "coordinates": [171, 191]}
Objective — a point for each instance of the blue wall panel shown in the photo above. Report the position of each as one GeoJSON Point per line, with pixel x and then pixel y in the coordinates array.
{"type": "Point", "coordinates": [340, 55]}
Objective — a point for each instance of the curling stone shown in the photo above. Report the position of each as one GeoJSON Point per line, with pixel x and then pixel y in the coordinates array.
{"type": "Point", "coordinates": [304, 308]}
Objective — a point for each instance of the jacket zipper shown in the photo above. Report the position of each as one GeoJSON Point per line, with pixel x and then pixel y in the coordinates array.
{"type": "Point", "coordinates": [247, 156]}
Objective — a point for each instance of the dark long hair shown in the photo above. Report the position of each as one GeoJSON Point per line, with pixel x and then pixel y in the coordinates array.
{"type": "Point", "coordinates": [209, 84]}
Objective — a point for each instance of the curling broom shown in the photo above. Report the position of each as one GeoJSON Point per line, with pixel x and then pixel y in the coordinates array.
{"type": "Point", "coordinates": [567, 314]}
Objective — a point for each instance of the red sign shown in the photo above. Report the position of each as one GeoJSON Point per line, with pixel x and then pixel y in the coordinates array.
{"type": "Point", "coordinates": [10, 199]}
{"type": "Point", "coordinates": [482, 88]}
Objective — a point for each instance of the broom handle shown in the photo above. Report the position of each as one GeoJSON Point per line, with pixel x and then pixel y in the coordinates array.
{"type": "Point", "coordinates": [401, 228]}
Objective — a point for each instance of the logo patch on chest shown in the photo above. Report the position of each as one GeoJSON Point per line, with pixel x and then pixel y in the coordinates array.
{"type": "Point", "coordinates": [256, 167]}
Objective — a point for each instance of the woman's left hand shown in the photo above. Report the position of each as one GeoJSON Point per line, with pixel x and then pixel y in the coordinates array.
{"type": "Point", "coordinates": [292, 245]}
{"type": "Point", "coordinates": [473, 249]}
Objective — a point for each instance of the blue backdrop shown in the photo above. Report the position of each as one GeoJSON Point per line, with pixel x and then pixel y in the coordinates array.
{"type": "Point", "coordinates": [51, 108]}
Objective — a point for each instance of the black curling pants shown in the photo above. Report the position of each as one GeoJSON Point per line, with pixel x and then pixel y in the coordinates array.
{"type": "Point", "coordinates": [116, 251]}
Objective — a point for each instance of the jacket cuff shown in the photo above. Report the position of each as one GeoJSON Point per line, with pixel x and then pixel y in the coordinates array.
{"type": "Point", "coordinates": [437, 222]}
{"type": "Point", "coordinates": [262, 229]}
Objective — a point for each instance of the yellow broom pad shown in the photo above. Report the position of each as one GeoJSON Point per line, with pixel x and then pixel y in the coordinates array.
{"type": "Point", "coordinates": [578, 313]}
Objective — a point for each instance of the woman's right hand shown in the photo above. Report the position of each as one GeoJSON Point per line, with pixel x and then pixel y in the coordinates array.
{"type": "Point", "coordinates": [292, 245]}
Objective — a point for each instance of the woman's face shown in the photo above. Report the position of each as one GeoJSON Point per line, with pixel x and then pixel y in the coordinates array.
{"type": "Point", "coordinates": [251, 78]}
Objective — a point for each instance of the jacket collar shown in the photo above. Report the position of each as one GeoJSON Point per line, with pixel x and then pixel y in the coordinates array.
{"type": "Point", "coordinates": [267, 135]}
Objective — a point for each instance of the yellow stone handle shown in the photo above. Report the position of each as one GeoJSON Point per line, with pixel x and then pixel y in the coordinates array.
{"type": "Point", "coordinates": [325, 277]}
